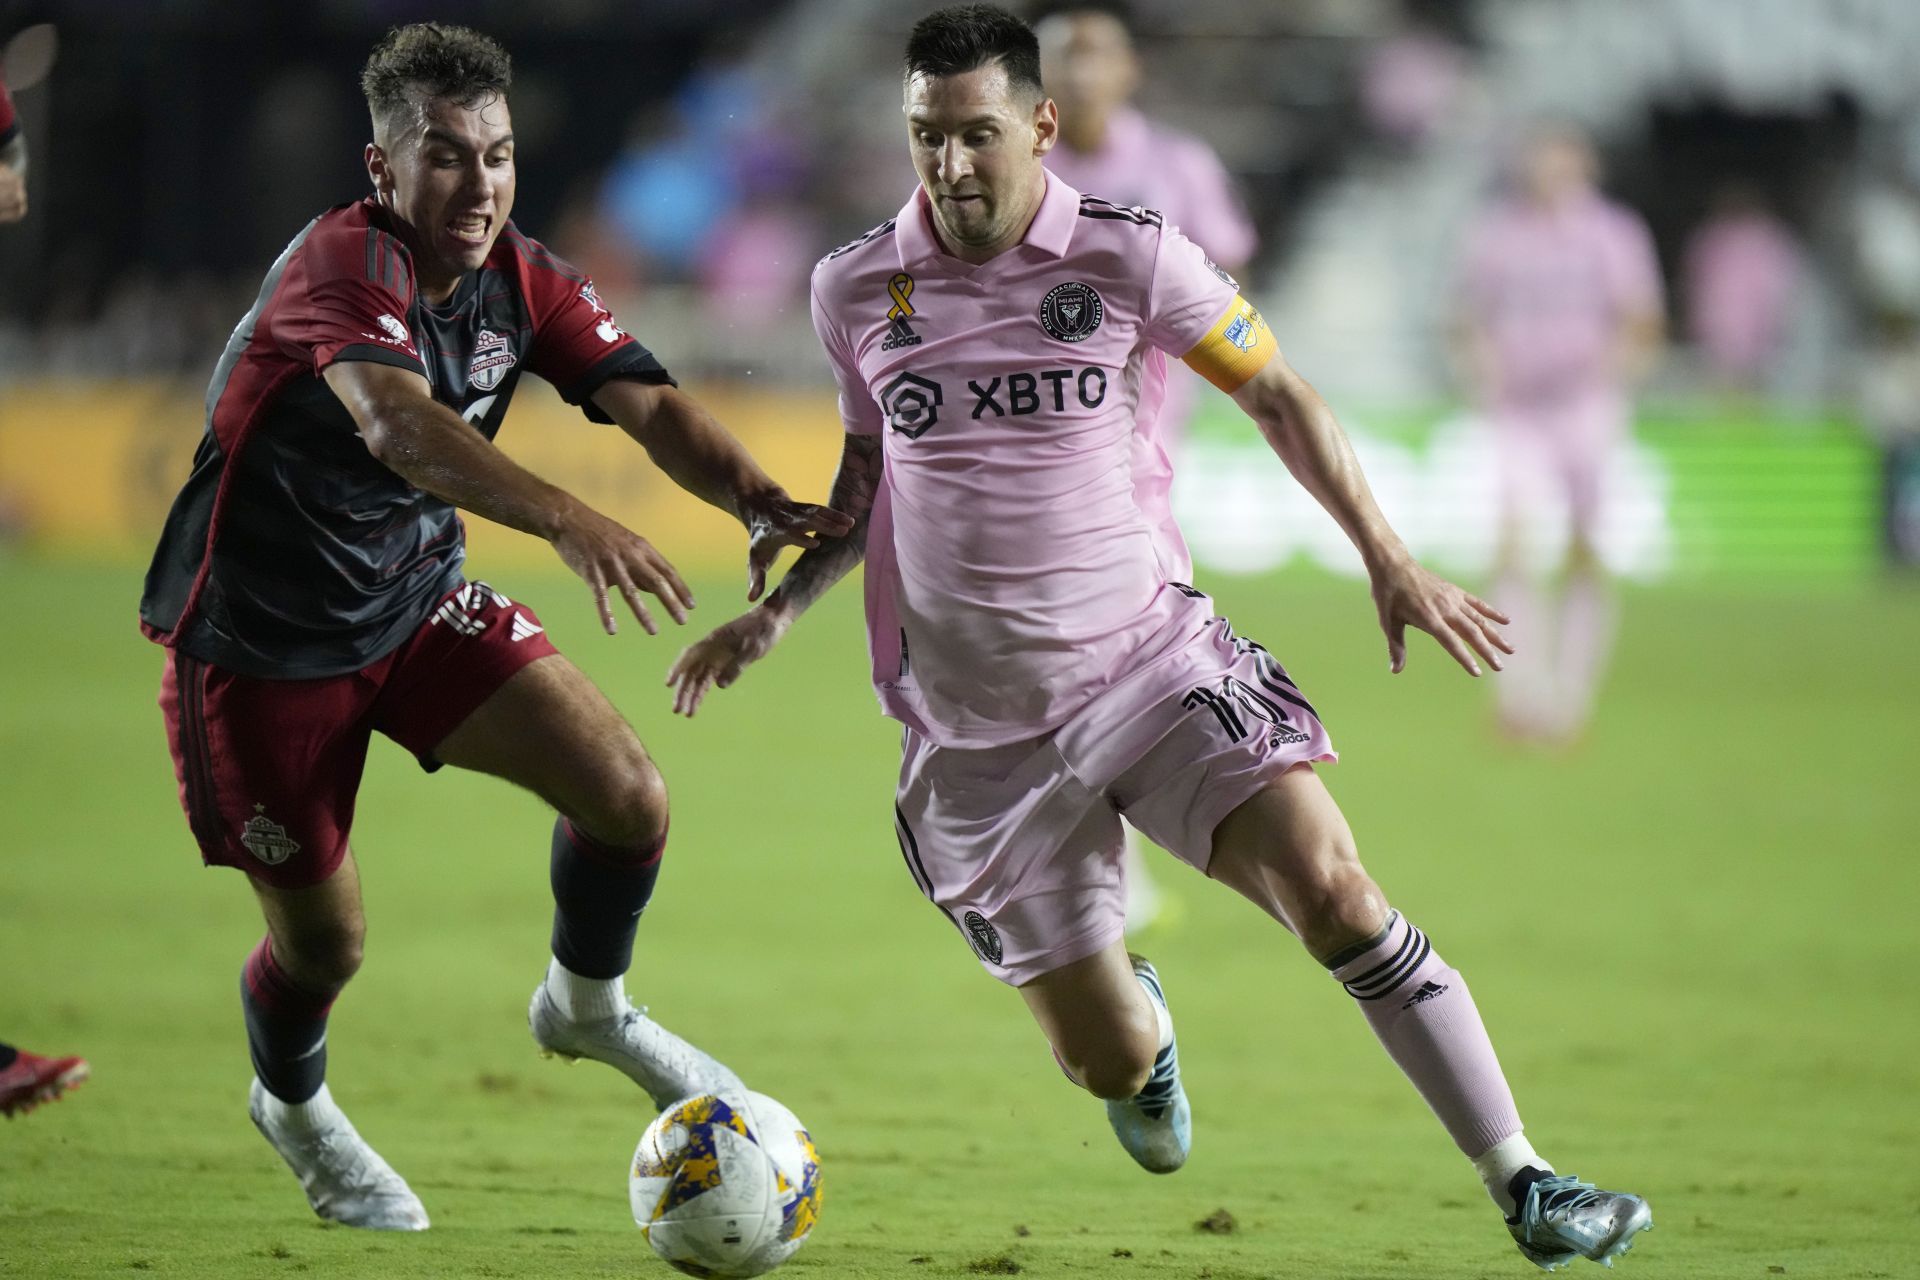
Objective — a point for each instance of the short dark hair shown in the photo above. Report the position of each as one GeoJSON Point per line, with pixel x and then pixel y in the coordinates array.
{"type": "Point", "coordinates": [430, 61]}
{"type": "Point", "coordinates": [965, 37]}
{"type": "Point", "coordinates": [1119, 10]}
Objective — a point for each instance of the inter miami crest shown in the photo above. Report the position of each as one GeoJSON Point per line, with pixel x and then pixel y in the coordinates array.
{"type": "Point", "coordinates": [985, 938]}
{"type": "Point", "coordinates": [1071, 312]}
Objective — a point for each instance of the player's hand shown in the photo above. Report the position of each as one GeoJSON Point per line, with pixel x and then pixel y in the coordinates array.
{"type": "Point", "coordinates": [614, 560]}
{"type": "Point", "coordinates": [1406, 594]}
{"type": "Point", "coordinates": [13, 195]}
{"type": "Point", "coordinates": [774, 521]}
{"type": "Point", "coordinates": [719, 659]}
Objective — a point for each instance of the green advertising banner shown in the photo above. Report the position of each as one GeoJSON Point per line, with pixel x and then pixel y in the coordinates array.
{"type": "Point", "coordinates": [1694, 493]}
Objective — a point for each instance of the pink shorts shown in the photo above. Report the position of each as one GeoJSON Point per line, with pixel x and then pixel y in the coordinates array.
{"type": "Point", "coordinates": [1020, 846]}
{"type": "Point", "coordinates": [1560, 448]}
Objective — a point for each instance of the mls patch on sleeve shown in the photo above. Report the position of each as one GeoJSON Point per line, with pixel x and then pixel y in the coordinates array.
{"type": "Point", "coordinates": [1237, 347]}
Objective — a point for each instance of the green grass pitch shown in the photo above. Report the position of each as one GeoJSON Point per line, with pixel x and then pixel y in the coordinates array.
{"type": "Point", "coordinates": [1693, 938]}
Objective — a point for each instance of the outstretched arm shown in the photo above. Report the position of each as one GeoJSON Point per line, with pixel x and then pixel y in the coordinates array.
{"type": "Point", "coordinates": [431, 448]}
{"type": "Point", "coordinates": [1303, 432]}
{"type": "Point", "coordinates": [705, 459]}
{"type": "Point", "coordinates": [719, 659]}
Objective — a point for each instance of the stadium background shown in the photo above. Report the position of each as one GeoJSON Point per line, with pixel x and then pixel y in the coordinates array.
{"type": "Point", "coordinates": [1690, 932]}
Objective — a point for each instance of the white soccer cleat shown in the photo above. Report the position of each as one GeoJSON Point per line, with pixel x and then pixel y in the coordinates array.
{"type": "Point", "coordinates": [346, 1181]}
{"type": "Point", "coordinates": [1562, 1218]}
{"type": "Point", "coordinates": [660, 1062]}
{"type": "Point", "coordinates": [1156, 1124]}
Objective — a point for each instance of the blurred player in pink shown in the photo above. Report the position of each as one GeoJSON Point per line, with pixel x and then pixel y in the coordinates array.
{"type": "Point", "coordinates": [998, 346]}
{"type": "Point", "coordinates": [1560, 315]}
{"type": "Point", "coordinates": [1107, 148]}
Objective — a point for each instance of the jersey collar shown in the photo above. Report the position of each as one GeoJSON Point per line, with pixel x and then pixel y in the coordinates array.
{"type": "Point", "coordinates": [1051, 231]}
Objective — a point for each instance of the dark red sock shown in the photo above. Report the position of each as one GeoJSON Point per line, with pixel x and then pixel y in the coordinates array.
{"type": "Point", "coordinates": [286, 1027]}
{"type": "Point", "coordinates": [599, 891]}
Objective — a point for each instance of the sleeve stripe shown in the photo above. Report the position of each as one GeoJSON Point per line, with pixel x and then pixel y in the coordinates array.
{"type": "Point", "coordinates": [1237, 347]}
{"type": "Point", "coordinates": [541, 256]}
{"type": "Point", "coordinates": [385, 266]}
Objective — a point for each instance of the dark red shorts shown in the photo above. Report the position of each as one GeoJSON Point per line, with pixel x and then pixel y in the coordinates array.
{"type": "Point", "coordinates": [269, 769]}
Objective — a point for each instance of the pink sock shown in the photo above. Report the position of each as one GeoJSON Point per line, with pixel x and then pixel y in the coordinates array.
{"type": "Point", "coordinates": [1424, 1015]}
{"type": "Point", "coordinates": [1524, 686]}
{"type": "Point", "coordinates": [1587, 618]}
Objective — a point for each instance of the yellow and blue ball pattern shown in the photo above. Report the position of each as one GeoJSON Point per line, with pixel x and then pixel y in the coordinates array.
{"type": "Point", "coordinates": [695, 1167]}
{"type": "Point", "coordinates": [800, 1206]}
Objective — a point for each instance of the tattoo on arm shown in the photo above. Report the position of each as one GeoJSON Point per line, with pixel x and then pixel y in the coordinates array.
{"type": "Point", "coordinates": [831, 559]}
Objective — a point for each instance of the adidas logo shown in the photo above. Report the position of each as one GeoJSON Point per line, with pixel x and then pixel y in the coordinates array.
{"type": "Point", "coordinates": [1286, 733]}
{"type": "Point", "coordinates": [1427, 991]}
{"type": "Point", "coordinates": [524, 627]}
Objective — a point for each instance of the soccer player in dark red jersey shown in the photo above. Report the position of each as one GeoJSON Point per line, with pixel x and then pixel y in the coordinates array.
{"type": "Point", "coordinates": [309, 590]}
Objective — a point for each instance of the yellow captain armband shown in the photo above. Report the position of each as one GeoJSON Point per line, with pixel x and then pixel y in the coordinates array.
{"type": "Point", "coordinates": [1237, 347]}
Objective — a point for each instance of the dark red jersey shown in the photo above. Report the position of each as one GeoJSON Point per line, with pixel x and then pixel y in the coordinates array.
{"type": "Point", "coordinates": [292, 552]}
{"type": "Point", "coordinates": [9, 124]}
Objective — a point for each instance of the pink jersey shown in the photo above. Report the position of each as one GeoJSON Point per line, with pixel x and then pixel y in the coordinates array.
{"type": "Point", "coordinates": [1550, 288]}
{"type": "Point", "coordinates": [1011, 573]}
{"type": "Point", "coordinates": [1146, 164]}
{"type": "Point", "coordinates": [1741, 270]}
{"type": "Point", "coordinates": [1141, 162]}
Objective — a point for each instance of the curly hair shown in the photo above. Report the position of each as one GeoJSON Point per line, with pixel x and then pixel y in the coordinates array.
{"type": "Point", "coordinates": [429, 61]}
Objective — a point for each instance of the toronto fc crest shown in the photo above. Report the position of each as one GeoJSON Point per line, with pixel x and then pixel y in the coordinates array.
{"type": "Point", "coordinates": [266, 839]}
{"type": "Point", "coordinates": [492, 357]}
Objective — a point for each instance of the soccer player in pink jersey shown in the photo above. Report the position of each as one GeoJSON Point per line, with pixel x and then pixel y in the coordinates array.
{"type": "Point", "coordinates": [1561, 314]}
{"type": "Point", "coordinates": [1109, 149]}
{"type": "Point", "coordinates": [997, 346]}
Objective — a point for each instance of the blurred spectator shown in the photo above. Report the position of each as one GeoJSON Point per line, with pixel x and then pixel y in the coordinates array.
{"type": "Point", "coordinates": [1561, 315]}
{"type": "Point", "coordinates": [666, 192]}
{"type": "Point", "coordinates": [1742, 267]}
{"type": "Point", "coordinates": [1410, 83]}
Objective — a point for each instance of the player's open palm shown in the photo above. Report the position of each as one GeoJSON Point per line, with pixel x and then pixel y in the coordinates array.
{"type": "Point", "coordinates": [614, 560]}
{"type": "Point", "coordinates": [778, 521]}
{"type": "Point", "coordinates": [1408, 595]}
{"type": "Point", "coordinates": [719, 659]}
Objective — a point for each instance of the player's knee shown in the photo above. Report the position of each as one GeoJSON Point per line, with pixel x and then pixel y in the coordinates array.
{"type": "Point", "coordinates": [323, 959]}
{"type": "Point", "coordinates": [1339, 906]}
{"type": "Point", "coordinates": [631, 809]}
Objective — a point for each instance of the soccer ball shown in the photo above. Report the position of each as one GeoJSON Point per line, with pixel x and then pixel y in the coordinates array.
{"type": "Point", "coordinates": [725, 1185]}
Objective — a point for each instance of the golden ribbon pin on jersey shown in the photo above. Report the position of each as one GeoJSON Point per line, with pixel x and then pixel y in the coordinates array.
{"type": "Point", "coordinates": [900, 288]}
